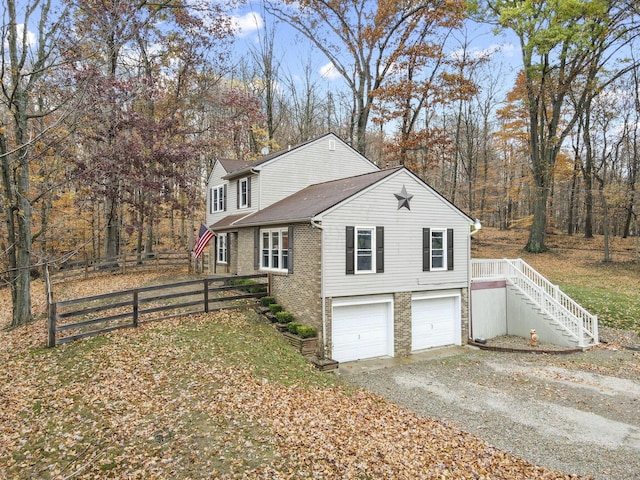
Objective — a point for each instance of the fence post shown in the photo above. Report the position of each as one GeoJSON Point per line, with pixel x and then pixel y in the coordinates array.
{"type": "Point", "coordinates": [206, 295]}
{"type": "Point", "coordinates": [135, 307]}
{"type": "Point", "coordinates": [51, 325]}
{"type": "Point", "coordinates": [86, 265]}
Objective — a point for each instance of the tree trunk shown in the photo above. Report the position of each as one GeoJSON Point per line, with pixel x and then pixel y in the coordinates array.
{"type": "Point", "coordinates": [572, 200]}
{"type": "Point", "coordinates": [112, 232]}
{"type": "Point", "coordinates": [21, 244]}
{"type": "Point", "coordinates": [538, 232]}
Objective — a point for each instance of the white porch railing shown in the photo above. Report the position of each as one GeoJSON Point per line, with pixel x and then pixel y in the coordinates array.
{"type": "Point", "coordinates": [581, 324]}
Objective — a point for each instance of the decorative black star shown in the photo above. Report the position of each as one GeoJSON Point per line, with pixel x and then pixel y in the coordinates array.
{"type": "Point", "coordinates": [403, 198]}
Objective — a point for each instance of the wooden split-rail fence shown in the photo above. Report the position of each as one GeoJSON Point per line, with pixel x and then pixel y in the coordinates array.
{"type": "Point", "coordinates": [123, 263]}
{"type": "Point", "coordinates": [84, 317]}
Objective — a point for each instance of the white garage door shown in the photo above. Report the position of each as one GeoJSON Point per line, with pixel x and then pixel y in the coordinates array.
{"type": "Point", "coordinates": [360, 331]}
{"type": "Point", "coordinates": [434, 322]}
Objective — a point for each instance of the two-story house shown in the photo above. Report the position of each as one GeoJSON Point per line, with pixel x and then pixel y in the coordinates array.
{"type": "Point", "coordinates": [375, 259]}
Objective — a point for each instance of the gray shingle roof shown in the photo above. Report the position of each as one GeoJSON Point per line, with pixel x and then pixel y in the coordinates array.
{"type": "Point", "coordinates": [227, 221]}
{"type": "Point", "coordinates": [315, 199]}
{"type": "Point", "coordinates": [231, 164]}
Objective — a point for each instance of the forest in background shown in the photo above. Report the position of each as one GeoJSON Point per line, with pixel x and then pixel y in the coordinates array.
{"type": "Point", "coordinates": [113, 112]}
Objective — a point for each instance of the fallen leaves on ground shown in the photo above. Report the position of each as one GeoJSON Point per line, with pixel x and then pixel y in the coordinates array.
{"type": "Point", "coordinates": [181, 399]}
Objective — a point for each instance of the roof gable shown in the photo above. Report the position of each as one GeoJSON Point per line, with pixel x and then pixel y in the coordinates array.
{"type": "Point", "coordinates": [315, 199]}
{"type": "Point", "coordinates": [321, 198]}
{"type": "Point", "coordinates": [260, 163]}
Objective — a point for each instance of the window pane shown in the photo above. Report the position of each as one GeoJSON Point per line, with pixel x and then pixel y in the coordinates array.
{"type": "Point", "coordinates": [364, 250]}
{"type": "Point", "coordinates": [265, 249]}
{"type": "Point", "coordinates": [243, 193]}
{"type": "Point", "coordinates": [275, 243]}
{"type": "Point", "coordinates": [364, 262]}
{"type": "Point", "coordinates": [222, 248]}
{"type": "Point", "coordinates": [437, 249]}
{"type": "Point", "coordinates": [364, 239]}
{"type": "Point", "coordinates": [437, 240]}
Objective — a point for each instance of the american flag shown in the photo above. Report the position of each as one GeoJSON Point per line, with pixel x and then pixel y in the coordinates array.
{"type": "Point", "coordinates": [204, 237]}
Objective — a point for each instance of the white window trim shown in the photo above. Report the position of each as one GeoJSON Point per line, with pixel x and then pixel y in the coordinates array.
{"type": "Point", "coordinates": [218, 206]}
{"type": "Point", "coordinates": [244, 199]}
{"type": "Point", "coordinates": [222, 249]}
{"type": "Point", "coordinates": [443, 231]}
{"type": "Point", "coordinates": [281, 232]}
{"type": "Point", "coordinates": [356, 270]}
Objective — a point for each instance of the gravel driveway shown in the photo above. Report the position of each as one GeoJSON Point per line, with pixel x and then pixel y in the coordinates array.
{"type": "Point", "coordinates": [577, 413]}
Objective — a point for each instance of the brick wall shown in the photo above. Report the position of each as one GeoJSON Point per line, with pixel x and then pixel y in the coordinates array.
{"type": "Point", "coordinates": [402, 324]}
{"type": "Point", "coordinates": [299, 292]}
{"type": "Point", "coordinates": [244, 260]}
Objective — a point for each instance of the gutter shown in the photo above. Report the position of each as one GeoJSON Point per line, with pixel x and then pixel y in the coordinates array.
{"type": "Point", "coordinates": [476, 227]}
{"type": "Point", "coordinates": [241, 173]}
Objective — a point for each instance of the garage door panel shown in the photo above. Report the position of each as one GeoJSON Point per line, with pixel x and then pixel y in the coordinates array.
{"type": "Point", "coordinates": [433, 322]}
{"type": "Point", "coordinates": [360, 331]}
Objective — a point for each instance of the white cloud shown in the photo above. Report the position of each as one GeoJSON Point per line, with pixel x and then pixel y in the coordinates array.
{"type": "Point", "coordinates": [507, 49]}
{"type": "Point", "coordinates": [247, 24]}
{"type": "Point", "coordinates": [329, 72]}
{"type": "Point", "coordinates": [31, 38]}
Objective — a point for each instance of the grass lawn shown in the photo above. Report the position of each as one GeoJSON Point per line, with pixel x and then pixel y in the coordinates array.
{"type": "Point", "coordinates": [170, 397]}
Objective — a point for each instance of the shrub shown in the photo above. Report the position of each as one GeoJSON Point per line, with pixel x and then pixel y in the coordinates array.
{"type": "Point", "coordinates": [275, 307]}
{"type": "Point", "coordinates": [284, 317]}
{"type": "Point", "coordinates": [305, 331]}
{"type": "Point", "coordinates": [293, 327]}
{"type": "Point", "coordinates": [247, 282]}
{"type": "Point", "coordinates": [268, 300]}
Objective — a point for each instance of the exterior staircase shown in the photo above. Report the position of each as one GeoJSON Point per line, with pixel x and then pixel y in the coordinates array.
{"type": "Point", "coordinates": [575, 324]}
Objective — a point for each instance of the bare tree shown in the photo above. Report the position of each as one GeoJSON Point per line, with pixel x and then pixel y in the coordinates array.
{"type": "Point", "coordinates": [363, 39]}
{"type": "Point", "coordinates": [29, 58]}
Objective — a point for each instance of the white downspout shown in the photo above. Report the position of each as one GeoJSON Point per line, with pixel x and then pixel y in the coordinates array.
{"type": "Point", "coordinates": [315, 224]}
{"type": "Point", "coordinates": [474, 228]}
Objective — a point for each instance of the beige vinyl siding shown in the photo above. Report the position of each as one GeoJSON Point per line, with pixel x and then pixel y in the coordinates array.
{"type": "Point", "coordinates": [308, 165]}
{"type": "Point", "coordinates": [215, 179]}
{"type": "Point", "coordinates": [402, 240]}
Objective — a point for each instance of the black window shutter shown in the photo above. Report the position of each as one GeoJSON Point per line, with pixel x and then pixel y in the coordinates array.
{"type": "Point", "coordinates": [248, 191]}
{"type": "Point", "coordinates": [290, 250]}
{"type": "Point", "coordinates": [237, 193]}
{"type": "Point", "coordinates": [211, 200]}
{"type": "Point", "coordinates": [449, 248]}
{"type": "Point", "coordinates": [379, 249]}
{"type": "Point", "coordinates": [350, 250]}
{"type": "Point", "coordinates": [256, 249]}
{"type": "Point", "coordinates": [224, 194]}
{"type": "Point", "coordinates": [426, 249]}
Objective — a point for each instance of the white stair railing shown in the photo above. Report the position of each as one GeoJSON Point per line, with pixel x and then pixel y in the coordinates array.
{"type": "Point", "coordinates": [574, 319]}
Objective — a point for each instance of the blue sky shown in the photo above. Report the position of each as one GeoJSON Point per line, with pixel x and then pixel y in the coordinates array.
{"type": "Point", "coordinates": [250, 26]}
